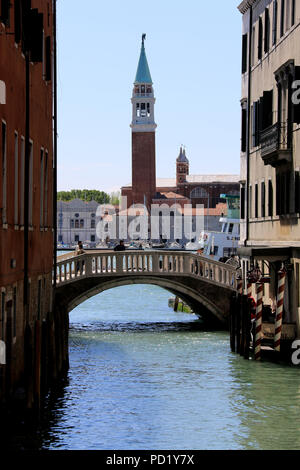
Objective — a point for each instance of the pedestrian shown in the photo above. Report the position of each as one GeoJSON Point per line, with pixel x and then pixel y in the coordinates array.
{"type": "Point", "coordinates": [120, 247]}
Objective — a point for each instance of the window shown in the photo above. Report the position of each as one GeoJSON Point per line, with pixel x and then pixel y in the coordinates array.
{"type": "Point", "coordinates": [253, 47]}
{"type": "Point", "coordinates": [255, 123]}
{"type": "Point", "coordinates": [275, 14]}
{"type": "Point", "coordinates": [5, 16]}
{"type": "Point", "coordinates": [39, 298]}
{"type": "Point", "coordinates": [30, 199]}
{"type": "Point", "coordinates": [244, 52]}
{"type": "Point", "coordinates": [138, 110]}
{"type": "Point", "coordinates": [243, 202]}
{"type": "Point", "coordinates": [244, 130]}
{"type": "Point", "coordinates": [293, 11]}
{"type": "Point", "coordinates": [263, 199]}
{"type": "Point", "coordinates": [256, 201]}
{"type": "Point", "coordinates": [270, 198]}
{"type": "Point", "coordinates": [2, 315]}
{"type": "Point", "coordinates": [93, 223]}
{"type": "Point", "coordinates": [76, 238]}
{"type": "Point", "coordinates": [22, 180]}
{"type": "Point", "coordinates": [60, 238]}
{"type": "Point", "coordinates": [266, 105]}
{"type": "Point", "coordinates": [143, 110]}
{"type": "Point", "coordinates": [17, 21]}
{"type": "Point", "coordinates": [16, 195]}
{"type": "Point", "coordinates": [48, 62]}
{"type": "Point", "coordinates": [46, 190]}
{"type": "Point", "coordinates": [81, 223]}
{"type": "Point", "coordinates": [4, 173]}
{"type": "Point", "coordinates": [93, 238]}
{"type": "Point", "coordinates": [250, 202]}
{"type": "Point", "coordinates": [297, 192]}
{"type": "Point", "coordinates": [283, 193]}
{"type": "Point", "coordinates": [230, 228]}
{"type": "Point", "coordinates": [267, 31]}
{"type": "Point", "coordinates": [72, 225]}
{"type": "Point", "coordinates": [15, 312]}
{"type": "Point", "coordinates": [282, 18]}
{"type": "Point", "coordinates": [199, 193]}
{"type": "Point", "coordinates": [260, 39]}
{"type": "Point", "coordinates": [42, 189]}
{"type": "Point", "coordinates": [148, 109]}
{"type": "Point", "coordinates": [77, 223]}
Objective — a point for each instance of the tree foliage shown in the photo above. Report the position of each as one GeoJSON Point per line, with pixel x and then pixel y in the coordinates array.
{"type": "Point", "coordinates": [85, 195]}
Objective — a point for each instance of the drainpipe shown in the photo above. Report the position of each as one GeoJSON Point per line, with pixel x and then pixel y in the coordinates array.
{"type": "Point", "coordinates": [248, 125]}
{"type": "Point", "coordinates": [26, 177]}
{"type": "Point", "coordinates": [54, 144]}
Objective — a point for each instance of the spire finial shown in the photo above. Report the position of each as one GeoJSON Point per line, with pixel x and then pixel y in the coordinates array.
{"type": "Point", "coordinates": [143, 39]}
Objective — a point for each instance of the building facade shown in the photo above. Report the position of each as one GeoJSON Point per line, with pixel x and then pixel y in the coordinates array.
{"type": "Point", "coordinates": [77, 221]}
{"type": "Point", "coordinates": [26, 194]}
{"type": "Point", "coordinates": [270, 147]}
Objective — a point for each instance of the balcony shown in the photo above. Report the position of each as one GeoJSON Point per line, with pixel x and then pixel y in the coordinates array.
{"type": "Point", "coordinates": [276, 148]}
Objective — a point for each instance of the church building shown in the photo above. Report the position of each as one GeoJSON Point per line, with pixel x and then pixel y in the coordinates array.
{"type": "Point", "coordinates": [145, 187]}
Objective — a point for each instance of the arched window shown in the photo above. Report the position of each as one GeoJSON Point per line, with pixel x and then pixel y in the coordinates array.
{"type": "Point", "coordinates": [199, 193]}
{"type": "Point", "coordinates": [93, 223]}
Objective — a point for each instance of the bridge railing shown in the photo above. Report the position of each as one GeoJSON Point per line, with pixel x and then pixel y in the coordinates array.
{"type": "Point", "coordinates": [162, 263]}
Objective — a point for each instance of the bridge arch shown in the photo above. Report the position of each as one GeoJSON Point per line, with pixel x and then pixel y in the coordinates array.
{"type": "Point", "coordinates": [204, 284]}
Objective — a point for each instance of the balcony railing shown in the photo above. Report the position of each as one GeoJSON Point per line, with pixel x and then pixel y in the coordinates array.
{"type": "Point", "coordinates": [276, 144]}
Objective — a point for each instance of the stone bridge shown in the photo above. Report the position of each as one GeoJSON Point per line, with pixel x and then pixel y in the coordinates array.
{"type": "Point", "coordinates": [204, 284]}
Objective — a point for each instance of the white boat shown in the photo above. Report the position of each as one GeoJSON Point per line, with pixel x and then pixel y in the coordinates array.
{"type": "Point", "coordinates": [221, 245]}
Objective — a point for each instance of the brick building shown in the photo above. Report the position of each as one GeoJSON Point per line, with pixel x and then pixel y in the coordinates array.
{"type": "Point", "coordinates": [145, 187]}
{"type": "Point", "coordinates": [26, 193]}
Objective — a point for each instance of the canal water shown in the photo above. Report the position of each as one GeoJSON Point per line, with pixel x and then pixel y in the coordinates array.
{"type": "Point", "coordinates": [144, 377]}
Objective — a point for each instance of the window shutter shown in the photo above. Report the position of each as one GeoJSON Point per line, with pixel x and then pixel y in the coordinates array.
{"type": "Point", "coordinates": [260, 39]}
{"type": "Point", "coordinates": [17, 21]}
{"type": "Point", "coordinates": [5, 7]}
{"type": "Point", "coordinates": [263, 199]}
{"type": "Point", "coordinates": [282, 18]}
{"type": "Point", "coordinates": [297, 192]}
{"type": "Point", "coordinates": [244, 130]}
{"type": "Point", "coordinates": [48, 65]}
{"type": "Point", "coordinates": [267, 30]}
{"type": "Point", "coordinates": [296, 106]}
{"type": "Point", "coordinates": [275, 14]}
{"type": "Point", "coordinates": [270, 199]}
{"type": "Point", "coordinates": [36, 36]}
{"type": "Point", "coordinates": [244, 53]}
{"type": "Point", "coordinates": [267, 109]}
{"type": "Point", "coordinates": [259, 125]}
{"type": "Point", "coordinates": [278, 195]}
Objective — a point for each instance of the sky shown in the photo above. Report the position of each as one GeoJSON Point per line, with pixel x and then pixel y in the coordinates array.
{"type": "Point", "coordinates": [193, 49]}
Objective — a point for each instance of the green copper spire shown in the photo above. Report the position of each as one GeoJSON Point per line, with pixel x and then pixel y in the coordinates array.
{"type": "Point", "coordinates": [143, 73]}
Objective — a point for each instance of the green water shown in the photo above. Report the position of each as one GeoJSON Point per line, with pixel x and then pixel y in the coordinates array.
{"type": "Point", "coordinates": [144, 377]}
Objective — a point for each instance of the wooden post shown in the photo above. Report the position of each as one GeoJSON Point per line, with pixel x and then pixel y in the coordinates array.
{"type": "Point", "coordinates": [248, 327]}
{"type": "Point", "coordinates": [238, 327]}
{"type": "Point", "coordinates": [176, 304]}
{"type": "Point", "coordinates": [243, 329]}
{"type": "Point", "coordinates": [233, 308]}
{"type": "Point", "coordinates": [258, 321]}
{"type": "Point", "coordinates": [279, 309]}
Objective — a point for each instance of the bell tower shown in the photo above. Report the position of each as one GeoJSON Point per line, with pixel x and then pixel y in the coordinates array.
{"type": "Point", "coordinates": [143, 134]}
{"type": "Point", "coordinates": [182, 167]}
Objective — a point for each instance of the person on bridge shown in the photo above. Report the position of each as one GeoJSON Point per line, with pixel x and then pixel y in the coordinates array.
{"type": "Point", "coordinates": [120, 247]}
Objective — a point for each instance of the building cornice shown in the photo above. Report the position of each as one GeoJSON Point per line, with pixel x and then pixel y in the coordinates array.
{"type": "Point", "coordinates": [245, 5]}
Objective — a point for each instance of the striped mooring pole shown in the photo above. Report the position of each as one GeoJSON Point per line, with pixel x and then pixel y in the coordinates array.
{"type": "Point", "coordinates": [258, 321]}
{"type": "Point", "coordinates": [249, 290]}
{"type": "Point", "coordinates": [240, 286]}
{"type": "Point", "coordinates": [279, 309]}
